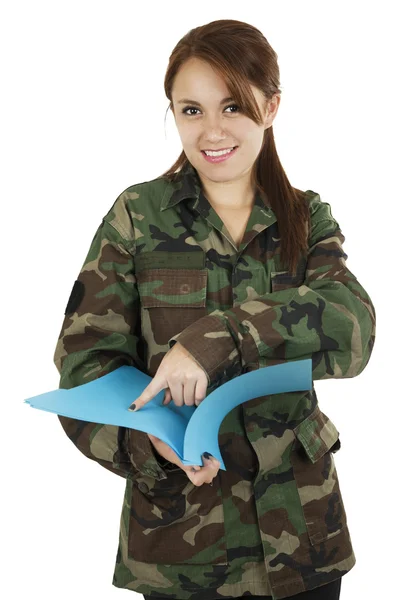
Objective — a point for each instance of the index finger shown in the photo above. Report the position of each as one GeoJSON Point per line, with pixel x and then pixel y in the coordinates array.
{"type": "Point", "coordinates": [150, 391]}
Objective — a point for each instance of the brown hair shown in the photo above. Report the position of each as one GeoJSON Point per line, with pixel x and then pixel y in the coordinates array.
{"type": "Point", "coordinates": [242, 56]}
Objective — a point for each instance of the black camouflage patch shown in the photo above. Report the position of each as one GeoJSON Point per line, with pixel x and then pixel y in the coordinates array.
{"type": "Point", "coordinates": [75, 297]}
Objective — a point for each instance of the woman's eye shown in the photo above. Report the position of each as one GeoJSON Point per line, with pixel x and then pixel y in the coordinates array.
{"type": "Point", "coordinates": [188, 108]}
{"type": "Point", "coordinates": [194, 108]}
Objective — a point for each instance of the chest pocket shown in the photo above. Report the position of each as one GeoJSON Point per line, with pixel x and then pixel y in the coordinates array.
{"type": "Point", "coordinates": [172, 288]}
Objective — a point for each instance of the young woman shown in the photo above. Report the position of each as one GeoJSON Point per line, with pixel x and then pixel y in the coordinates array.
{"type": "Point", "coordinates": [215, 268]}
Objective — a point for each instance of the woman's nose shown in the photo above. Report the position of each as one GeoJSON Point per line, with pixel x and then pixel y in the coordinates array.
{"type": "Point", "coordinates": [213, 125]}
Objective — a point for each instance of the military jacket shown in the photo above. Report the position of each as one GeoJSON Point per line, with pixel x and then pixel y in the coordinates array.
{"type": "Point", "coordinates": [162, 267]}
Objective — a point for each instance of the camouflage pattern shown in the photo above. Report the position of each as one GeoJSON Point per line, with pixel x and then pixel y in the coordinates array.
{"type": "Point", "coordinates": [163, 267]}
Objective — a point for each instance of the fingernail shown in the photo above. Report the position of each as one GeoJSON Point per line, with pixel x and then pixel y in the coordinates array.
{"type": "Point", "coordinates": [207, 455]}
{"type": "Point", "coordinates": [132, 407]}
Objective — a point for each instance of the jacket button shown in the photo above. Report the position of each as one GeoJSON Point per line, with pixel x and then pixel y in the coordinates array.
{"type": "Point", "coordinates": [143, 487]}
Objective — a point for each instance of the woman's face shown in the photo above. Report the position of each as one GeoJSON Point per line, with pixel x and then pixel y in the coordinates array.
{"type": "Point", "coordinates": [209, 124]}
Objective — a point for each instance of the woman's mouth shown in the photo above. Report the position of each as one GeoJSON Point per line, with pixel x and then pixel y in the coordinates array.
{"type": "Point", "coordinates": [220, 158]}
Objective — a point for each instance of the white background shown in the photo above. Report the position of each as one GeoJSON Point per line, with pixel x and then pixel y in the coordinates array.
{"type": "Point", "coordinates": [82, 118]}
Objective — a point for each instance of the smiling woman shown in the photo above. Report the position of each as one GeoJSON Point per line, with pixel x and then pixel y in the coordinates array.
{"type": "Point", "coordinates": [219, 125]}
{"type": "Point", "coordinates": [227, 112]}
{"type": "Point", "coordinates": [213, 269]}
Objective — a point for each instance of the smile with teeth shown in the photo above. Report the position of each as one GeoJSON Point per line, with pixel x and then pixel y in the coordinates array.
{"type": "Point", "coordinates": [220, 153]}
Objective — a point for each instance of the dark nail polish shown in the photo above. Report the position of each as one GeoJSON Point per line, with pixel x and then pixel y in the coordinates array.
{"type": "Point", "coordinates": [132, 407]}
{"type": "Point", "coordinates": [207, 455]}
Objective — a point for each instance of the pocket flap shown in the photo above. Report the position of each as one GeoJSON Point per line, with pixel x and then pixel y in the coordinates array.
{"type": "Point", "coordinates": [172, 287]}
{"type": "Point", "coordinates": [317, 435]}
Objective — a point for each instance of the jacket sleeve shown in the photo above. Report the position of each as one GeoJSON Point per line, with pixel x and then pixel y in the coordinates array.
{"type": "Point", "coordinates": [328, 317]}
{"type": "Point", "coordinates": [100, 333]}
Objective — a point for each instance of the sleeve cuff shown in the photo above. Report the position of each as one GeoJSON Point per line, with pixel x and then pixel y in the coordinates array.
{"type": "Point", "coordinates": [163, 462]}
{"type": "Point", "coordinates": [212, 346]}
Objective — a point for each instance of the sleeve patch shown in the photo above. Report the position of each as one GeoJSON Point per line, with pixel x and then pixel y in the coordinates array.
{"type": "Point", "coordinates": [76, 297]}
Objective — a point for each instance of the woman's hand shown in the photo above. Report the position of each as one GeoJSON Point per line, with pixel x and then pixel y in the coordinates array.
{"type": "Point", "coordinates": [185, 382]}
{"type": "Point", "coordinates": [197, 474]}
{"type": "Point", "coordinates": [180, 375]}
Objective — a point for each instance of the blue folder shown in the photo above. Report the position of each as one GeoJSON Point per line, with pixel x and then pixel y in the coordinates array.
{"type": "Point", "coordinates": [188, 430]}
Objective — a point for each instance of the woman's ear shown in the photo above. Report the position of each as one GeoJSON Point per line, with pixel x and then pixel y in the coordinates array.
{"type": "Point", "coordinates": [272, 109]}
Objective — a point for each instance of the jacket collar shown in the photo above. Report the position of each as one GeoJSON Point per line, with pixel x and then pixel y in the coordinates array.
{"type": "Point", "coordinates": [187, 184]}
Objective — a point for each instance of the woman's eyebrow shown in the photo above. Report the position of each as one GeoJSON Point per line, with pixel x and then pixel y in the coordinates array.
{"type": "Point", "coordinates": [187, 101]}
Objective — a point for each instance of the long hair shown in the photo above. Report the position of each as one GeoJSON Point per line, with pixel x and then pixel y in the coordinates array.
{"type": "Point", "coordinates": [241, 55]}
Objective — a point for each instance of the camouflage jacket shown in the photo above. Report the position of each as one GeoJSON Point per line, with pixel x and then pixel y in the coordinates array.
{"type": "Point", "coordinates": [163, 267]}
